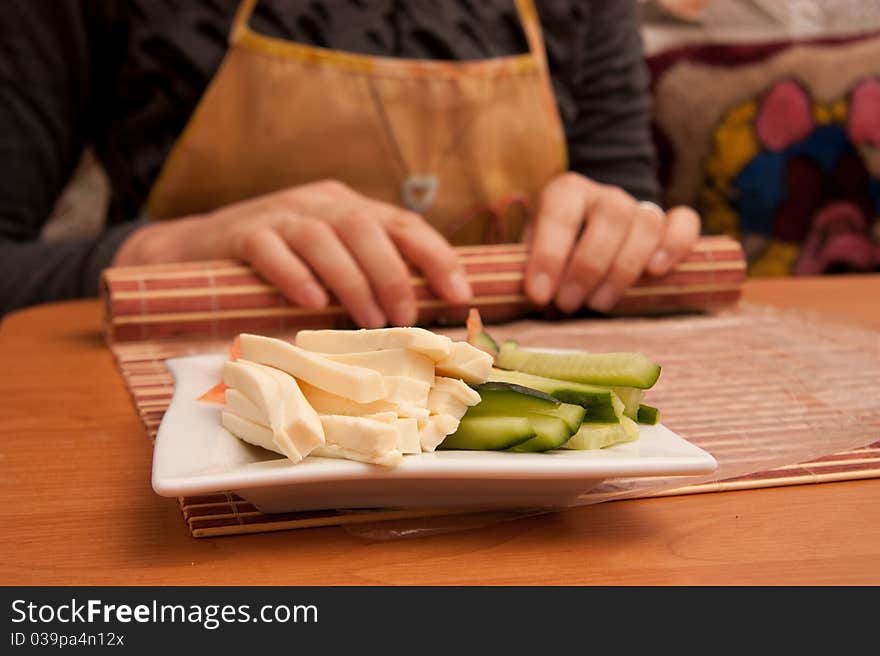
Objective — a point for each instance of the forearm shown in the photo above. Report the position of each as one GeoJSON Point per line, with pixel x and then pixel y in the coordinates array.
{"type": "Point", "coordinates": [43, 271]}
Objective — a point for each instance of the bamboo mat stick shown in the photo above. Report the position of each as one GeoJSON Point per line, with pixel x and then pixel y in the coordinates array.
{"type": "Point", "coordinates": [217, 298]}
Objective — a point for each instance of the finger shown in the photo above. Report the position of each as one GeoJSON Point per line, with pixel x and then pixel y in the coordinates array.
{"type": "Point", "coordinates": [268, 253]}
{"type": "Point", "coordinates": [319, 246]}
{"type": "Point", "coordinates": [559, 219]}
{"type": "Point", "coordinates": [641, 242]}
{"type": "Point", "coordinates": [386, 271]}
{"type": "Point", "coordinates": [608, 222]}
{"type": "Point", "coordinates": [430, 253]}
{"type": "Point", "coordinates": [682, 229]}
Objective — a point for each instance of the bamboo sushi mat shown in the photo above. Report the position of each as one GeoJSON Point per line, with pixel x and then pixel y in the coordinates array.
{"type": "Point", "coordinates": [778, 398]}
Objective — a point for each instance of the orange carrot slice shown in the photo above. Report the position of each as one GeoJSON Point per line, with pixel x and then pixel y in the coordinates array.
{"type": "Point", "coordinates": [216, 394]}
{"type": "Point", "coordinates": [474, 325]}
{"type": "Point", "coordinates": [235, 348]}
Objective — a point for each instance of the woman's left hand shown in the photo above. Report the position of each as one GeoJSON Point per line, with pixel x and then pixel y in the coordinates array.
{"type": "Point", "coordinates": [591, 241]}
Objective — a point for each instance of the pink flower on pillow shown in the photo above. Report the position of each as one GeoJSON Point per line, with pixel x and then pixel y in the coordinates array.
{"type": "Point", "coordinates": [839, 238]}
{"type": "Point", "coordinates": [785, 116]}
{"type": "Point", "coordinates": [863, 125]}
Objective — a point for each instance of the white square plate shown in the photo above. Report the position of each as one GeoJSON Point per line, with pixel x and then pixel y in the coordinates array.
{"type": "Point", "coordinates": [194, 454]}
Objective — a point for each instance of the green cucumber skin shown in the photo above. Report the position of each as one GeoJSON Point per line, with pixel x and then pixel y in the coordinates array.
{"type": "Point", "coordinates": [550, 433]}
{"type": "Point", "coordinates": [484, 341]}
{"type": "Point", "coordinates": [571, 413]}
{"type": "Point", "coordinates": [601, 436]}
{"type": "Point", "coordinates": [648, 415]}
{"type": "Point", "coordinates": [611, 369]}
{"type": "Point", "coordinates": [501, 387]}
{"type": "Point", "coordinates": [489, 434]}
{"type": "Point", "coordinates": [498, 399]}
{"type": "Point", "coordinates": [599, 402]}
{"type": "Point", "coordinates": [506, 399]}
{"type": "Point", "coordinates": [631, 397]}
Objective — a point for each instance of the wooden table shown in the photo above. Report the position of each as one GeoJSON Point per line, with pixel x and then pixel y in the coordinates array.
{"type": "Point", "coordinates": [77, 507]}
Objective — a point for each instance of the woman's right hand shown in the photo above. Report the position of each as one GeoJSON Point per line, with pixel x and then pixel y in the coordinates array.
{"type": "Point", "coordinates": [312, 239]}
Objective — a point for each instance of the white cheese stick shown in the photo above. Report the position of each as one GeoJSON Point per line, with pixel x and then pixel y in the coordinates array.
{"type": "Point", "coordinates": [408, 431]}
{"type": "Point", "coordinates": [434, 429]}
{"type": "Point", "coordinates": [326, 403]}
{"type": "Point", "coordinates": [437, 347]}
{"type": "Point", "coordinates": [457, 389]}
{"type": "Point", "coordinates": [386, 459]}
{"type": "Point", "coordinates": [294, 423]}
{"type": "Point", "coordinates": [356, 383]}
{"type": "Point", "coordinates": [466, 362]}
{"type": "Point", "coordinates": [443, 404]}
{"type": "Point", "coordinates": [406, 391]}
{"type": "Point", "coordinates": [384, 417]}
{"type": "Point", "coordinates": [249, 431]}
{"type": "Point", "coordinates": [390, 362]}
{"type": "Point", "coordinates": [372, 446]}
{"type": "Point", "coordinates": [407, 428]}
{"type": "Point", "coordinates": [360, 438]}
{"type": "Point", "coordinates": [450, 396]}
{"type": "Point", "coordinates": [238, 404]}
{"type": "Point", "coordinates": [408, 435]}
{"type": "Point", "coordinates": [359, 433]}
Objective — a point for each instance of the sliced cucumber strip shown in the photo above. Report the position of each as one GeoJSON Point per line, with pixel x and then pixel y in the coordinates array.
{"type": "Point", "coordinates": [509, 399]}
{"type": "Point", "coordinates": [571, 414]}
{"type": "Point", "coordinates": [631, 397]}
{"type": "Point", "coordinates": [550, 433]}
{"type": "Point", "coordinates": [648, 414]}
{"type": "Point", "coordinates": [601, 436]}
{"type": "Point", "coordinates": [489, 433]}
{"type": "Point", "coordinates": [601, 404]}
{"type": "Point", "coordinates": [484, 341]}
{"type": "Point", "coordinates": [613, 369]}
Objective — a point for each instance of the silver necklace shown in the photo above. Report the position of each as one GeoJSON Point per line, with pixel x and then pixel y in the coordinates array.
{"type": "Point", "coordinates": [418, 190]}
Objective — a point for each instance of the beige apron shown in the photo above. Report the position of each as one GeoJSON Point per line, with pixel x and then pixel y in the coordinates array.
{"type": "Point", "coordinates": [459, 142]}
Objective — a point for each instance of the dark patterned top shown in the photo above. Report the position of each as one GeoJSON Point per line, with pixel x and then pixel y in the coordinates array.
{"type": "Point", "coordinates": [124, 76]}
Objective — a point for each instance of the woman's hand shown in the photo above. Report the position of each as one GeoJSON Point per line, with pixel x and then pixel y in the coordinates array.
{"type": "Point", "coordinates": [313, 238]}
{"type": "Point", "coordinates": [591, 241]}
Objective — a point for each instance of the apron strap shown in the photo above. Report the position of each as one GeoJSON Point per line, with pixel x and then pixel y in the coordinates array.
{"type": "Point", "coordinates": [531, 25]}
{"type": "Point", "coordinates": [241, 20]}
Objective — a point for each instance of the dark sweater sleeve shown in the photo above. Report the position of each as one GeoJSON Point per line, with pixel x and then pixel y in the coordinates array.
{"type": "Point", "coordinates": [45, 110]}
{"type": "Point", "coordinates": [601, 84]}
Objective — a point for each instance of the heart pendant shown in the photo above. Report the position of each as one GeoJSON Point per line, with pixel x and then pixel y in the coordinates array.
{"type": "Point", "coordinates": [418, 192]}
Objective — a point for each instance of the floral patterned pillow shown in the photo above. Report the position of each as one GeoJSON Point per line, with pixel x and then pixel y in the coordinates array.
{"type": "Point", "coordinates": [777, 144]}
